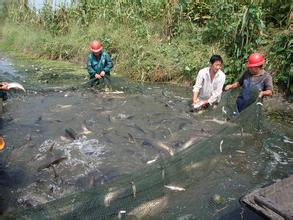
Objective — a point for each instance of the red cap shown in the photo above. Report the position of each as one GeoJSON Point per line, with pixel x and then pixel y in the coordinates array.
{"type": "Point", "coordinates": [96, 46]}
{"type": "Point", "coordinates": [255, 59]}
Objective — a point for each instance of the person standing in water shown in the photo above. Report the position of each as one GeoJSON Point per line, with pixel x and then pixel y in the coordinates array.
{"type": "Point", "coordinates": [209, 84]}
{"type": "Point", "coordinates": [254, 79]}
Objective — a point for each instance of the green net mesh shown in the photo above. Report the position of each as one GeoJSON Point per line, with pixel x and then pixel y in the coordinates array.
{"type": "Point", "coordinates": [194, 181]}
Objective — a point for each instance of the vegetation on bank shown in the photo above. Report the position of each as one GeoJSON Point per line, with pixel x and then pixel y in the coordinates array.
{"type": "Point", "coordinates": [158, 40]}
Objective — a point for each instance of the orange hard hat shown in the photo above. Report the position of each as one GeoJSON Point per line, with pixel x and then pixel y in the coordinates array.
{"type": "Point", "coordinates": [2, 143]}
{"type": "Point", "coordinates": [255, 59]}
{"type": "Point", "coordinates": [96, 46]}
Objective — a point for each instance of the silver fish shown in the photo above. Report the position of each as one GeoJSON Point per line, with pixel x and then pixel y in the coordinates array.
{"type": "Point", "coordinates": [221, 143]}
{"type": "Point", "coordinates": [198, 105]}
{"type": "Point", "coordinates": [153, 160]}
{"type": "Point", "coordinates": [193, 166]}
{"type": "Point", "coordinates": [150, 208]}
{"type": "Point", "coordinates": [204, 164]}
{"type": "Point", "coordinates": [220, 122]}
{"type": "Point", "coordinates": [131, 138]}
{"type": "Point", "coordinates": [223, 110]}
{"type": "Point", "coordinates": [242, 134]}
{"type": "Point", "coordinates": [165, 147]}
{"type": "Point", "coordinates": [85, 130]}
{"type": "Point", "coordinates": [188, 143]}
{"type": "Point", "coordinates": [288, 141]}
{"type": "Point", "coordinates": [174, 188]}
{"type": "Point", "coordinates": [133, 189]}
{"type": "Point", "coordinates": [111, 195]}
{"type": "Point", "coordinates": [64, 106]}
{"type": "Point", "coordinates": [240, 151]}
{"type": "Point", "coordinates": [51, 161]}
{"type": "Point", "coordinates": [65, 139]}
{"type": "Point", "coordinates": [50, 149]}
{"type": "Point", "coordinates": [15, 85]}
{"type": "Point", "coordinates": [120, 214]}
{"type": "Point", "coordinates": [113, 92]}
{"type": "Point", "coordinates": [17, 153]}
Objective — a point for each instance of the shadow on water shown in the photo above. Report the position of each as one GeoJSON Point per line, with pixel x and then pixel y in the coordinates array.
{"type": "Point", "coordinates": [240, 213]}
{"type": "Point", "coordinates": [10, 179]}
{"type": "Point", "coordinates": [66, 139]}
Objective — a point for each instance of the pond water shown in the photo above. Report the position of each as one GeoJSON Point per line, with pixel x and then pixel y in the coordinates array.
{"type": "Point", "coordinates": [38, 4]}
{"type": "Point", "coordinates": [65, 140]}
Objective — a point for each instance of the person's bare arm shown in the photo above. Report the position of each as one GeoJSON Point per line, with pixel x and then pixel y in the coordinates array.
{"type": "Point", "coordinates": [265, 93]}
{"type": "Point", "coordinates": [194, 97]}
{"type": "Point", "coordinates": [232, 86]}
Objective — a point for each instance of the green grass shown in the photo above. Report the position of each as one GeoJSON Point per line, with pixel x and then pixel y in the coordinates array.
{"type": "Point", "coordinates": [140, 51]}
{"type": "Point", "coordinates": [149, 41]}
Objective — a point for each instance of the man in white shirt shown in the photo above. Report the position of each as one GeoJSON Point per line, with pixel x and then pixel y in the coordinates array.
{"type": "Point", "coordinates": [209, 84]}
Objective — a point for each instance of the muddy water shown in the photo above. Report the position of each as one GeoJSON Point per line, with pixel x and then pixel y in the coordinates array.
{"type": "Point", "coordinates": [115, 134]}
{"type": "Point", "coordinates": [60, 141]}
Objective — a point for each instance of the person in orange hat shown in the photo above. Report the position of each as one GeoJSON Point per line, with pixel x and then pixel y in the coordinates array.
{"type": "Point", "coordinates": [99, 63]}
{"type": "Point", "coordinates": [255, 78]}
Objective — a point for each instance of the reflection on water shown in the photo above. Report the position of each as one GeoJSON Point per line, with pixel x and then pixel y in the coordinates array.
{"type": "Point", "coordinates": [64, 141]}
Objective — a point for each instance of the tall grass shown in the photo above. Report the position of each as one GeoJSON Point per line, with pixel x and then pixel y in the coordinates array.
{"type": "Point", "coordinates": [149, 40]}
{"type": "Point", "coordinates": [134, 36]}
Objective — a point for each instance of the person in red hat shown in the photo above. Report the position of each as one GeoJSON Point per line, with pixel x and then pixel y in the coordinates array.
{"type": "Point", "coordinates": [99, 63]}
{"type": "Point", "coordinates": [254, 79]}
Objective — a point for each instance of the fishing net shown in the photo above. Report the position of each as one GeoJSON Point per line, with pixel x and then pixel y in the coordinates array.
{"type": "Point", "coordinates": [200, 179]}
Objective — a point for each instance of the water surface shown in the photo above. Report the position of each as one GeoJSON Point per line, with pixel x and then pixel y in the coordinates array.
{"type": "Point", "coordinates": [61, 140]}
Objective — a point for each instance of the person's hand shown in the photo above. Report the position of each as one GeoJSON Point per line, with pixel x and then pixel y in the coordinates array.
{"type": "Point", "coordinates": [4, 85]}
{"type": "Point", "coordinates": [205, 102]}
{"type": "Point", "coordinates": [102, 73]}
{"type": "Point", "coordinates": [196, 101]}
{"type": "Point", "coordinates": [98, 76]}
{"type": "Point", "coordinates": [228, 87]}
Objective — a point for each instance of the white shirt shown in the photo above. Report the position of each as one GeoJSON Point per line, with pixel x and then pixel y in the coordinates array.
{"type": "Point", "coordinates": [208, 89]}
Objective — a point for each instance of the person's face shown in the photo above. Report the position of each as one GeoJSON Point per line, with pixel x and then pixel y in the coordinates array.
{"type": "Point", "coordinates": [97, 53]}
{"type": "Point", "coordinates": [217, 65]}
{"type": "Point", "coordinates": [254, 70]}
